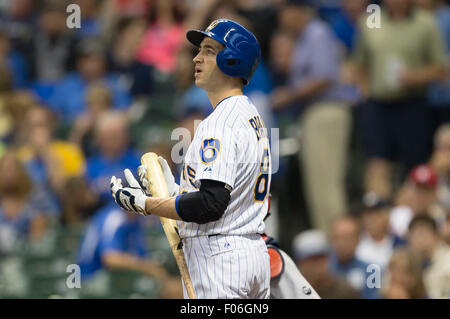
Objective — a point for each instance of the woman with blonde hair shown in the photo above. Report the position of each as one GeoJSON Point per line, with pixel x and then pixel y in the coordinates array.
{"type": "Point", "coordinates": [21, 216]}
{"type": "Point", "coordinates": [404, 278]}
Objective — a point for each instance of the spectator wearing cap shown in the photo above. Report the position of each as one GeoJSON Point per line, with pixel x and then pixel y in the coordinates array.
{"type": "Point", "coordinates": [377, 241]}
{"type": "Point", "coordinates": [311, 252]}
{"type": "Point", "coordinates": [69, 97]}
{"type": "Point", "coordinates": [424, 240]}
{"type": "Point", "coordinates": [397, 62]}
{"type": "Point", "coordinates": [419, 198]}
{"type": "Point", "coordinates": [343, 262]}
{"type": "Point", "coordinates": [314, 90]}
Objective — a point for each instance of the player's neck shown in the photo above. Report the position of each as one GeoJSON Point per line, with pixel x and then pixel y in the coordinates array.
{"type": "Point", "coordinates": [216, 96]}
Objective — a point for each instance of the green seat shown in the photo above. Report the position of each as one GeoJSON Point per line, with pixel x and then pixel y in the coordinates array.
{"type": "Point", "coordinates": [14, 281]}
{"type": "Point", "coordinates": [68, 241]}
{"type": "Point", "coordinates": [98, 286]}
{"type": "Point", "coordinates": [129, 284]}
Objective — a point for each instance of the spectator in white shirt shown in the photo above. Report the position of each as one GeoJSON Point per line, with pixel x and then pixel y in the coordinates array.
{"type": "Point", "coordinates": [425, 242]}
{"type": "Point", "coordinates": [377, 242]}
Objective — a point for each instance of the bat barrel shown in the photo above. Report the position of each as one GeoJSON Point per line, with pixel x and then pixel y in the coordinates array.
{"type": "Point", "coordinates": [158, 188]}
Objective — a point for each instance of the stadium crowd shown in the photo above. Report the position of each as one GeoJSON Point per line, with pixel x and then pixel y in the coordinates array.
{"type": "Point", "coordinates": [361, 189]}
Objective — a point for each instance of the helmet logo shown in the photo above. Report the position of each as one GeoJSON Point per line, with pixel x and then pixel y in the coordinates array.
{"type": "Point", "coordinates": [213, 24]}
{"type": "Point", "coordinates": [228, 32]}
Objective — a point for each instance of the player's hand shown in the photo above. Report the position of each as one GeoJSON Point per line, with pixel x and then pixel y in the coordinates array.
{"type": "Point", "coordinates": [130, 198]}
{"type": "Point", "coordinates": [172, 187]}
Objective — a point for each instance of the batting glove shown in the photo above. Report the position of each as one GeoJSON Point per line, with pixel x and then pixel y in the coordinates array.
{"type": "Point", "coordinates": [172, 187]}
{"type": "Point", "coordinates": [130, 198]}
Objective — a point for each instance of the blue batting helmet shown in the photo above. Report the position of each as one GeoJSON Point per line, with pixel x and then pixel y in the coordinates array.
{"type": "Point", "coordinates": [242, 52]}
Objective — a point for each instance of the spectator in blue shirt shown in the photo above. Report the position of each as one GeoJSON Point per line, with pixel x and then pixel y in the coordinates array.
{"type": "Point", "coordinates": [114, 153]}
{"type": "Point", "coordinates": [110, 231]}
{"type": "Point", "coordinates": [343, 262]}
{"type": "Point", "coordinates": [439, 91]}
{"type": "Point", "coordinates": [91, 25]}
{"type": "Point", "coordinates": [115, 240]}
{"type": "Point", "coordinates": [344, 21]}
{"type": "Point", "coordinates": [68, 99]}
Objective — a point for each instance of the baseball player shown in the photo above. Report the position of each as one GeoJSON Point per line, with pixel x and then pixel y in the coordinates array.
{"type": "Point", "coordinates": [222, 198]}
{"type": "Point", "coordinates": [286, 280]}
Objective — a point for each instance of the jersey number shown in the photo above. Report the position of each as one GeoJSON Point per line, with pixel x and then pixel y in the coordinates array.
{"type": "Point", "coordinates": [261, 186]}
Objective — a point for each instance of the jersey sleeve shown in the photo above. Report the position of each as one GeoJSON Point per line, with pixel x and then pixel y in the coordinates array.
{"type": "Point", "coordinates": [217, 155]}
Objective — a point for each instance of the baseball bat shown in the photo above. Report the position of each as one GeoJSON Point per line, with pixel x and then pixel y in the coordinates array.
{"type": "Point", "coordinates": [158, 188]}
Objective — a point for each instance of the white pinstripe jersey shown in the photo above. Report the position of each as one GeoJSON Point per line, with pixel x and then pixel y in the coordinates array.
{"type": "Point", "coordinates": [230, 146]}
